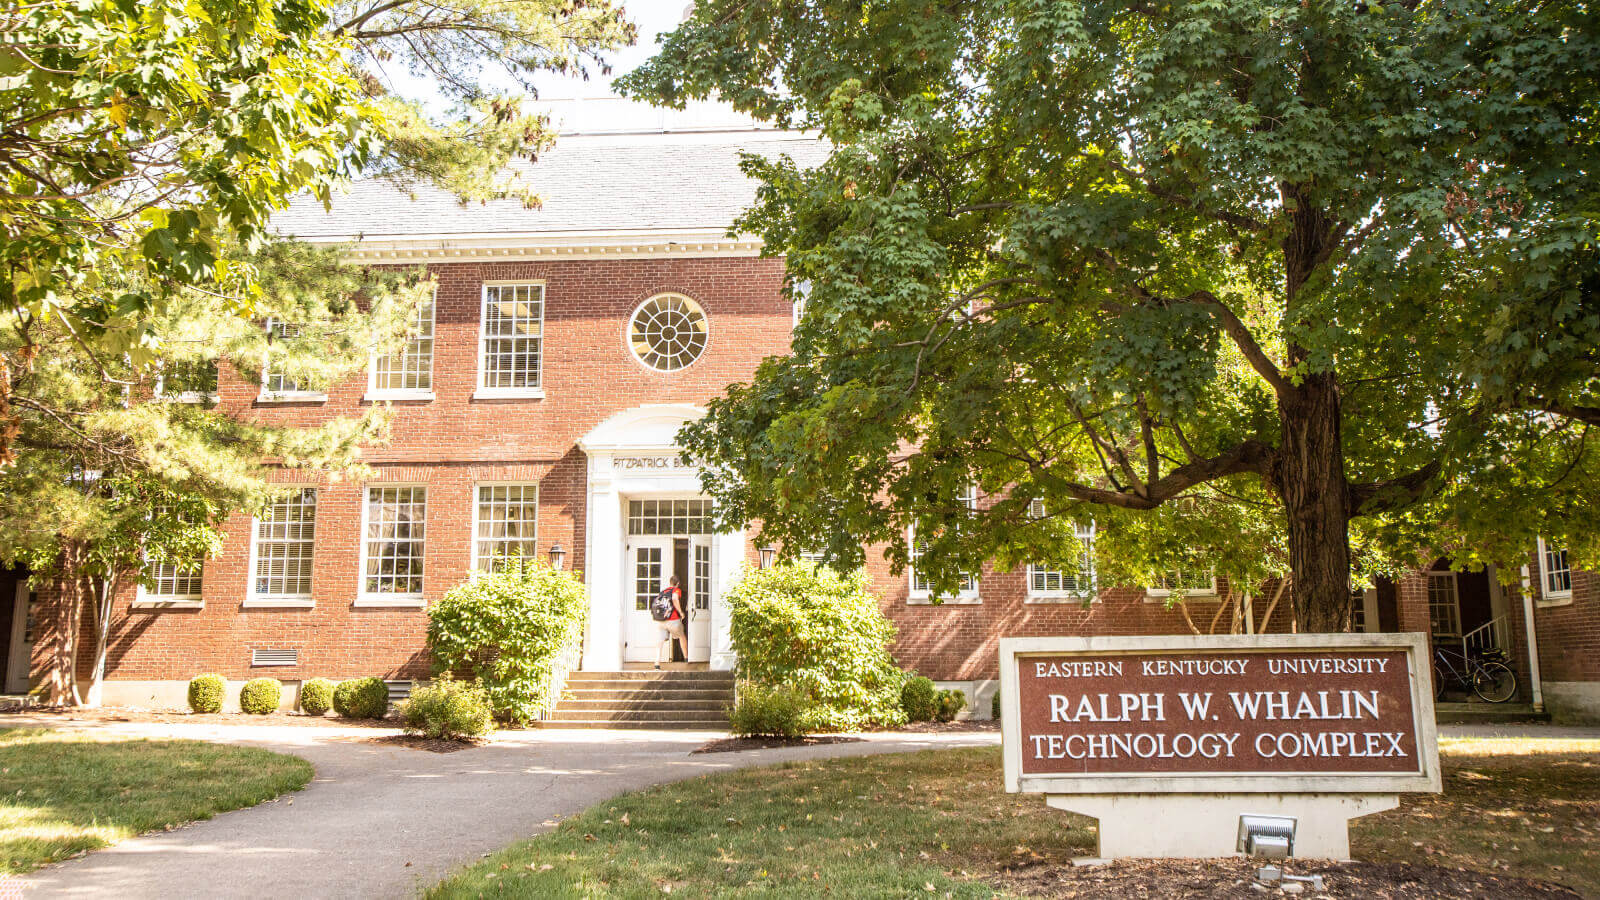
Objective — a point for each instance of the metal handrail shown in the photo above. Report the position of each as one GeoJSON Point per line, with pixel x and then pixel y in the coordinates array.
{"type": "Point", "coordinates": [1491, 635]}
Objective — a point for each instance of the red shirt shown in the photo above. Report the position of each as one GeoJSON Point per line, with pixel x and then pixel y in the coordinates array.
{"type": "Point", "coordinates": [677, 601]}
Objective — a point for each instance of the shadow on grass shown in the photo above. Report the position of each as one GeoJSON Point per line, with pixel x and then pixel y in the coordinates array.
{"type": "Point", "coordinates": [70, 792]}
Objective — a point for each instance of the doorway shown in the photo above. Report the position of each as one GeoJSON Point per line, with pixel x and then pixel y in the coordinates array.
{"type": "Point", "coordinates": [652, 561]}
{"type": "Point", "coordinates": [15, 639]}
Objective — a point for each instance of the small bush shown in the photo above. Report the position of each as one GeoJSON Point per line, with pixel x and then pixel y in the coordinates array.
{"type": "Point", "coordinates": [510, 632]}
{"type": "Point", "coordinates": [763, 711]}
{"type": "Point", "coordinates": [260, 696]}
{"type": "Point", "coordinates": [316, 696]}
{"type": "Point", "coordinates": [820, 631]}
{"type": "Point", "coordinates": [920, 699]}
{"type": "Point", "coordinates": [205, 693]}
{"type": "Point", "coordinates": [994, 705]}
{"type": "Point", "coordinates": [950, 704]}
{"type": "Point", "coordinates": [447, 709]}
{"type": "Point", "coordinates": [361, 698]}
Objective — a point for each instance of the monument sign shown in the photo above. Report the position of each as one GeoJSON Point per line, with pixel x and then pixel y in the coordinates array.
{"type": "Point", "coordinates": [1170, 740]}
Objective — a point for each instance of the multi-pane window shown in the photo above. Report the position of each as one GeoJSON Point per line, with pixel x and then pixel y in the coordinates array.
{"type": "Point", "coordinates": [284, 534]}
{"type": "Point", "coordinates": [1193, 582]}
{"type": "Point", "coordinates": [412, 368]}
{"type": "Point", "coordinates": [646, 576]}
{"type": "Point", "coordinates": [513, 337]}
{"type": "Point", "coordinates": [170, 581]}
{"type": "Point", "coordinates": [1055, 580]}
{"type": "Point", "coordinates": [507, 524]}
{"type": "Point", "coordinates": [676, 517]}
{"type": "Point", "coordinates": [396, 524]}
{"type": "Point", "coordinates": [1444, 606]}
{"type": "Point", "coordinates": [277, 382]}
{"type": "Point", "coordinates": [702, 576]}
{"type": "Point", "coordinates": [1358, 611]}
{"type": "Point", "coordinates": [668, 332]}
{"type": "Point", "coordinates": [922, 588]}
{"type": "Point", "coordinates": [187, 380]}
{"type": "Point", "coordinates": [1555, 572]}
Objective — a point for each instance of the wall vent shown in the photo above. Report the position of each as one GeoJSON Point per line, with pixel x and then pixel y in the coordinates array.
{"type": "Point", "coordinates": [260, 656]}
{"type": "Point", "coordinates": [399, 690]}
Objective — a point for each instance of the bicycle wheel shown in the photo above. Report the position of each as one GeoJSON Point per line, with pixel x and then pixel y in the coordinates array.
{"type": "Point", "coordinates": [1494, 682]}
{"type": "Point", "coordinates": [1438, 683]}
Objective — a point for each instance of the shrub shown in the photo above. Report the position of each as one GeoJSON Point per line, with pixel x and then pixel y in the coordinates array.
{"type": "Point", "coordinates": [448, 709]}
{"type": "Point", "coordinates": [205, 693]}
{"type": "Point", "coordinates": [822, 632]}
{"type": "Point", "coordinates": [510, 631]}
{"type": "Point", "coordinates": [260, 696]}
{"type": "Point", "coordinates": [920, 699]}
{"type": "Point", "coordinates": [994, 705]}
{"type": "Point", "coordinates": [950, 704]}
{"type": "Point", "coordinates": [316, 696]}
{"type": "Point", "coordinates": [361, 698]}
{"type": "Point", "coordinates": [771, 711]}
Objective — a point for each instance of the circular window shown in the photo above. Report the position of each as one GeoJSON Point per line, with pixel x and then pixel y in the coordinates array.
{"type": "Point", "coordinates": [668, 332]}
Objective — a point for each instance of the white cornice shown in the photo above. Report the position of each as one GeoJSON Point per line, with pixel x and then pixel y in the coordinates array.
{"type": "Point", "coordinates": [511, 246]}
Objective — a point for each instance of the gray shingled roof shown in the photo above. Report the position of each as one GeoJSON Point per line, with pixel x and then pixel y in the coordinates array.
{"type": "Point", "coordinates": [587, 184]}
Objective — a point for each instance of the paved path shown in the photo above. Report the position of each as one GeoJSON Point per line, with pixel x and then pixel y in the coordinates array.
{"type": "Point", "coordinates": [386, 821]}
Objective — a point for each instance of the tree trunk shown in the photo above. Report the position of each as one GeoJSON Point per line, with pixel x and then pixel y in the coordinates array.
{"type": "Point", "coordinates": [105, 590]}
{"type": "Point", "coordinates": [1316, 499]}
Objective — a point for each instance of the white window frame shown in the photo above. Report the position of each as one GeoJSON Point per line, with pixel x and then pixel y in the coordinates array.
{"type": "Point", "coordinates": [1086, 537]}
{"type": "Point", "coordinates": [480, 392]}
{"type": "Point", "coordinates": [201, 398]}
{"type": "Point", "coordinates": [1455, 595]}
{"type": "Point", "coordinates": [298, 395]}
{"type": "Point", "coordinates": [1548, 597]}
{"type": "Point", "coordinates": [144, 599]}
{"type": "Point", "coordinates": [964, 596]}
{"type": "Point", "coordinates": [1161, 593]}
{"type": "Point", "coordinates": [254, 600]}
{"type": "Point", "coordinates": [376, 393]}
{"type": "Point", "coordinates": [408, 601]}
{"type": "Point", "coordinates": [476, 558]}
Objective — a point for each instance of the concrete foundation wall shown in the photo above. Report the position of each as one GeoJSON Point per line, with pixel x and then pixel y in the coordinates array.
{"type": "Point", "coordinates": [1573, 702]}
{"type": "Point", "coordinates": [175, 695]}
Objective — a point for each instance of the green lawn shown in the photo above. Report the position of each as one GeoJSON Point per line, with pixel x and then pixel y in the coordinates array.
{"type": "Point", "coordinates": [937, 823]}
{"type": "Point", "coordinates": [62, 792]}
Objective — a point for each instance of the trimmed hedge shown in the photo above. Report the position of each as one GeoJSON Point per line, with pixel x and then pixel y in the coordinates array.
{"type": "Point", "coordinates": [951, 703]}
{"type": "Point", "coordinates": [362, 698]}
{"type": "Point", "coordinates": [994, 705]}
{"type": "Point", "coordinates": [823, 633]}
{"type": "Point", "coordinates": [920, 699]}
{"type": "Point", "coordinates": [316, 697]}
{"type": "Point", "coordinates": [206, 692]}
{"type": "Point", "coordinates": [261, 696]}
{"type": "Point", "coordinates": [448, 709]}
{"type": "Point", "coordinates": [770, 711]}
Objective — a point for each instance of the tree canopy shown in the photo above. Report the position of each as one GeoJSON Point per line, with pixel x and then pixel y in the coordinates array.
{"type": "Point", "coordinates": [1246, 284]}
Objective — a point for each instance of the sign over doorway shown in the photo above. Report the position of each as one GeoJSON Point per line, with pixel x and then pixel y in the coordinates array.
{"type": "Point", "coordinates": [1195, 732]}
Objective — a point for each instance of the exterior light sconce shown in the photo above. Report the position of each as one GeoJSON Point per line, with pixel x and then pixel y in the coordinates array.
{"type": "Point", "coordinates": [558, 556]}
{"type": "Point", "coordinates": [767, 555]}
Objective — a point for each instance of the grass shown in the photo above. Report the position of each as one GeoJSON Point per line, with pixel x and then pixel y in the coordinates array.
{"type": "Point", "coordinates": [936, 823]}
{"type": "Point", "coordinates": [67, 792]}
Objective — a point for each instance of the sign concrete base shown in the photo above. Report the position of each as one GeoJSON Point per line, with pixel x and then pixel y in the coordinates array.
{"type": "Point", "coordinates": [1207, 825]}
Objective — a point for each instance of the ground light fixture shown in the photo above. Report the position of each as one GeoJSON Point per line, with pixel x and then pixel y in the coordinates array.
{"type": "Point", "coordinates": [1271, 837]}
{"type": "Point", "coordinates": [558, 556]}
{"type": "Point", "coordinates": [767, 555]}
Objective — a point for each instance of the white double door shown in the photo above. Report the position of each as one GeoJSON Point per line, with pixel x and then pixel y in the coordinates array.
{"type": "Point", "coordinates": [651, 562]}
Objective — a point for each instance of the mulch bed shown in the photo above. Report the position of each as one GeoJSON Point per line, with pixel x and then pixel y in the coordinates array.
{"type": "Point", "coordinates": [170, 716]}
{"type": "Point", "coordinates": [1236, 878]}
{"type": "Point", "coordinates": [418, 742]}
{"type": "Point", "coordinates": [735, 744]}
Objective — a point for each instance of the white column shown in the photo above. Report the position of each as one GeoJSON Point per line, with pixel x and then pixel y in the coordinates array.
{"type": "Point", "coordinates": [727, 556]}
{"type": "Point", "coordinates": [602, 644]}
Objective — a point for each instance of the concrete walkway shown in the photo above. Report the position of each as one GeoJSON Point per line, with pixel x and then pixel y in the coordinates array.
{"type": "Point", "coordinates": [386, 821]}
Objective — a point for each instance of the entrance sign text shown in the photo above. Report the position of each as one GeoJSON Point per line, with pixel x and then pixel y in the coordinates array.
{"type": "Point", "coordinates": [1227, 713]}
{"type": "Point", "coordinates": [664, 461]}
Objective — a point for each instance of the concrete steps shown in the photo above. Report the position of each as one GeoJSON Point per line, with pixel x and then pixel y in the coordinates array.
{"type": "Point", "coordinates": [678, 699]}
{"type": "Point", "coordinates": [1481, 713]}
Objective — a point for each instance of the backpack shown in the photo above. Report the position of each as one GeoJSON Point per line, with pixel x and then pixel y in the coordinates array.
{"type": "Point", "coordinates": [661, 606]}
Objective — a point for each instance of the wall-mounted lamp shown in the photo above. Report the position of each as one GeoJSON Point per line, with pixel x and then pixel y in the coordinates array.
{"type": "Point", "coordinates": [558, 556]}
{"type": "Point", "coordinates": [767, 555]}
{"type": "Point", "coordinates": [1268, 836]}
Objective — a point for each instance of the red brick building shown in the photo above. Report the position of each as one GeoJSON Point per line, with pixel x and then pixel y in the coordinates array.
{"type": "Point", "coordinates": [537, 414]}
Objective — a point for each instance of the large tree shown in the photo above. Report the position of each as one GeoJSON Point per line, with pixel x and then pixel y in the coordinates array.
{"type": "Point", "coordinates": [1181, 268]}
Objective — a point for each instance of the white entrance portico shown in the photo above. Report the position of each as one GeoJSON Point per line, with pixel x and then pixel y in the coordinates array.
{"type": "Point", "coordinates": [647, 520]}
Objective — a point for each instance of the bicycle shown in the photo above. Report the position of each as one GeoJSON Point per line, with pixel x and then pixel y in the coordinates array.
{"type": "Point", "coordinates": [1485, 674]}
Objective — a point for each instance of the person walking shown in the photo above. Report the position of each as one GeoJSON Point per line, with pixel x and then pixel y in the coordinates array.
{"type": "Point", "coordinates": [672, 628]}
